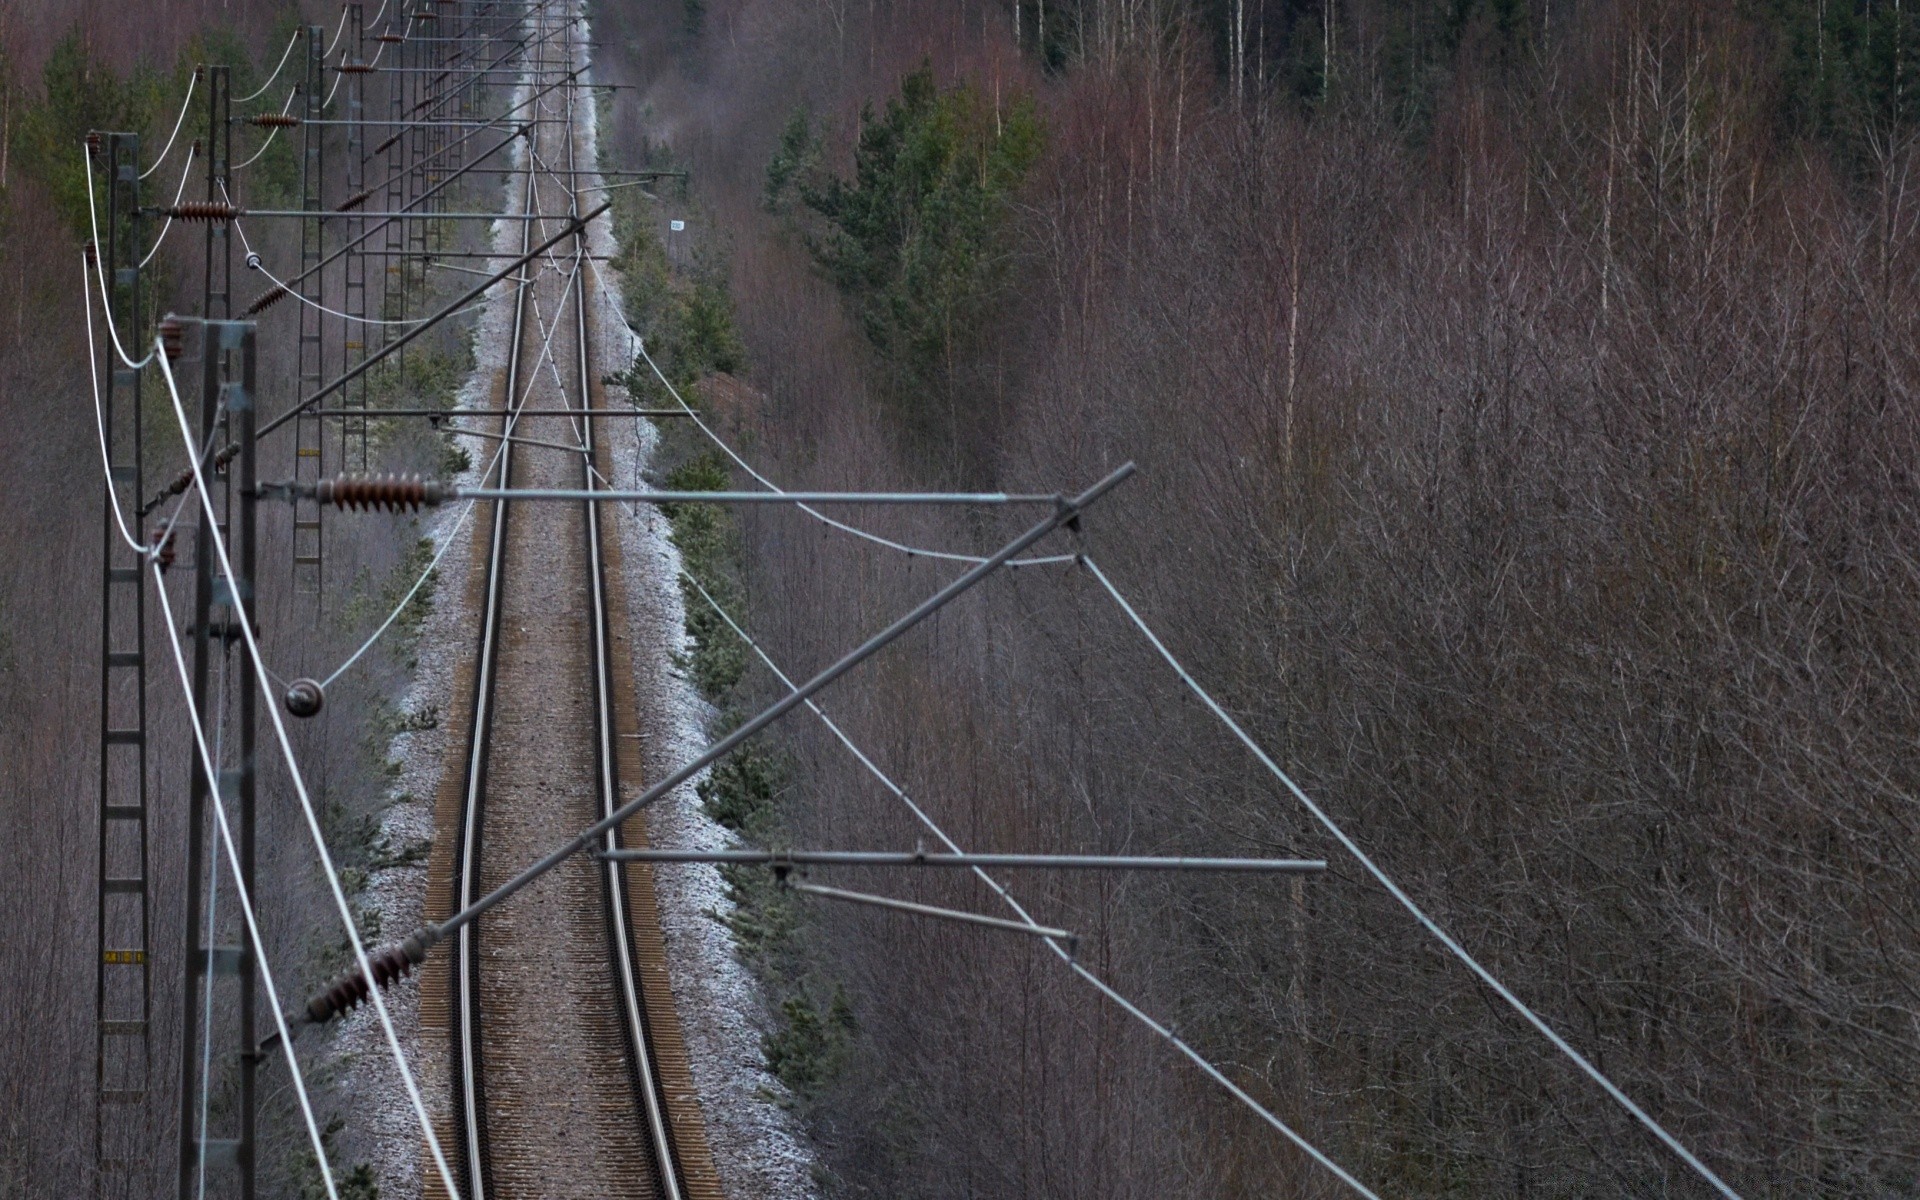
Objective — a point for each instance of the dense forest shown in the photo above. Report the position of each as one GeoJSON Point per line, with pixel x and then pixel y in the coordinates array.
{"type": "Point", "coordinates": [1524, 396]}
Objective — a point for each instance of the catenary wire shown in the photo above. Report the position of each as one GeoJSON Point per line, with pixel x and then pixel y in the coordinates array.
{"type": "Point", "coordinates": [93, 216]}
{"type": "Point", "coordinates": [100, 420]}
{"type": "Point", "coordinates": [1000, 890]}
{"type": "Point", "coordinates": [639, 344]}
{"type": "Point", "coordinates": [240, 889]}
{"type": "Point", "coordinates": [1380, 876]}
{"type": "Point", "coordinates": [186, 173]}
{"type": "Point", "coordinates": [306, 801]}
{"type": "Point", "coordinates": [254, 264]}
{"type": "Point", "coordinates": [284, 56]}
{"type": "Point", "coordinates": [177, 123]}
{"type": "Point", "coordinates": [271, 134]}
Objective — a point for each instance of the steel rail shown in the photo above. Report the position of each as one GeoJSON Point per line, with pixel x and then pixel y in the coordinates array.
{"type": "Point", "coordinates": [470, 1123]}
{"type": "Point", "coordinates": [649, 1100]}
{"type": "Point", "coordinates": [624, 961]}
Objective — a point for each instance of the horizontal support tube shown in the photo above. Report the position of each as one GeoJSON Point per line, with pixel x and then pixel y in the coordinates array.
{"type": "Point", "coordinates": [651, 497]}
{"type": "Point", "coordinates": [454, 306]}
{"type": "Point", "coordinates": [482, 412]}
{"type": "Point", "coordinates": [517, 440]}
{"type": "Point", "coordinates": [870, 858]}
{"type": "Point", "coordinates": [405, 124]}
{"type": "Point", "coordinates": [415, 215]}
{"type": "Point", "coordinates": [945, 914]}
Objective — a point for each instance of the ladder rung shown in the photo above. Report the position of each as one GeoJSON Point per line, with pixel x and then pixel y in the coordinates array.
{"type": "Point", "coordinates": [124, 812]}
{"type": "Point", "coordinates": [123, 958]}
{"type": "Point", "coordinates": [125, 658]}
{"type": "Point", "coordinates": [123, 885]}
{"type": "Point", "coordinates": [126, 737]}
{"type": "Point", "coordinates": [120, 473]}
{"type": "Point", "coordinates": [306, 524]}
{"type": "Point", "coordinates": [123, 1028]}
{"type": "Point", "coordinates": [122, 1095]}
{"type": "Point", "coordinates": [306, 560]}
{"type": "Point", "coordinates": [123, 574]}
{"type": "Point", "coordinates": [227, 960]}
{"type": "Point", "coordinates": [123, 1164]}
{"type": "Point", "coordinates": [309, 452]}
{"type": "Point", "coordinates": [218, 1152]}
{"type": "Point", "coordinates": [124, 376]}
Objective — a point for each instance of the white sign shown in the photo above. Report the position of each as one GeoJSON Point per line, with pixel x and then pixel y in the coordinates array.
{"type": "Point", "coordinates": [677, 226]}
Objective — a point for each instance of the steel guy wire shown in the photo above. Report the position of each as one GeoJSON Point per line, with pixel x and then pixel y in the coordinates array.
{"type": "Point", "coordinates": [100, 420]}
{"type": "Point", "coordinates": [271, 134]}
{"type": "Point", "coordinates": [186, 173]}
{"type": "Point", "coordinates": [306, 801]}
{"type": "Point", "coordinates": [177, 123]}
{"type": "Point", "coordinates": [1380, 876]}
{"type": "Point", "coordinates": [240, 888]}
{"type": "Point", "coordinates": [93, 217]}
{"type": "Point", "coordinates": [1064, 953]}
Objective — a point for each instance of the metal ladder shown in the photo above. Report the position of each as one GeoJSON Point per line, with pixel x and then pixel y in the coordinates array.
{"type": "Point", "coordinates": [308, 533]}
{"type": "Point", "coordinates": [123, 993]}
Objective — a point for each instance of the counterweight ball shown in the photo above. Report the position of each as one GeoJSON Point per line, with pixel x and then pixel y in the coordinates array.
{"type": "Point", "coordinates": [304, 697]}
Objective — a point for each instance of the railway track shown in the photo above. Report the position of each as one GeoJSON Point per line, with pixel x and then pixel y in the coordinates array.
{"type": "Point", "coordinates": [567, 1076]}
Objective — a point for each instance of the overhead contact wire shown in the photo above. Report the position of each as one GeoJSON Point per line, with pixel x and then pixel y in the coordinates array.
{"type": "Point", "coordinates": [1053, 944]}
{"type": "Point", "coordinates": [692, 414]}
{"type": "Point", "coordinates": [1407, 902]}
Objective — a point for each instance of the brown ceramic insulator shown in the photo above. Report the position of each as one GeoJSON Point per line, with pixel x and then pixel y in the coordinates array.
{"type": "Point", "coordinates": [267, 299]}
{"type": "Point", "coordinates": [354, 201]}
{"type": "Point", "coordinates": [164, 547]}
{"type": "Point", "coordinates": [172, 337]}
{"type": "Point", "coordinates": [394, 493]}
{"type": "Point", "coordinates": [383, 146]}
{"type": "Point", "coordinates": [355, 68]}
{"type": "Point", "coordinates": [345, 991]}
{"type": "Point", "coordinates": [205, 210]}
{"type": "Point", "coordinates": [392, 37]}
{"type": "Point", "coordinates": [93, 143]}
{"type": "Point", "coordinates": [227, 454]}
{"type": "Point", "coordinates": [274, 120]}
{"type": "Point", "coordinates": [92, 252]}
